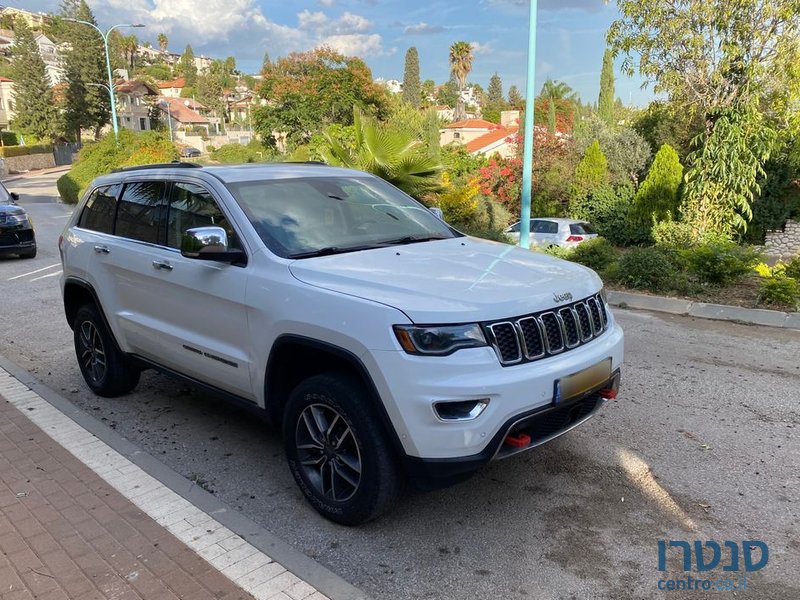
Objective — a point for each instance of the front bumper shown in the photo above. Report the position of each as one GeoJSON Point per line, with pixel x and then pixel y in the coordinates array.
{"type": "Point", "coordinates": [14, 240]}
{"type": "Point", "coordinates": [541, 425]}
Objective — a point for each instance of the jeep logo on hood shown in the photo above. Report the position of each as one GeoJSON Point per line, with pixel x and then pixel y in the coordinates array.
{"type": "Point", "coordinates": [566, 297]}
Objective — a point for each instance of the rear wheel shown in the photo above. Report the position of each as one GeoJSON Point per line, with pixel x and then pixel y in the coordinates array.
{"type": "Point", "coordinates": [337, 450]}
{"type": "Point", "coordinates": [104, 367]}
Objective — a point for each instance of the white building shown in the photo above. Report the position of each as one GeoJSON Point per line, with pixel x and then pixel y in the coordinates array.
{"type": "Point", "coordinates": [393, 85]}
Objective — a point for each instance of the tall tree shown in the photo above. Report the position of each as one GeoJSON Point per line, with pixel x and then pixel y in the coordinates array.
{"type": "Point", "coordinates": [33, 96]}
{"type": "Point", "coordinates": [163, 42]}
{"type": "Point", "coordinates": [460, 67]}
{"type": "Point", "coordinates": [515, 99]}
{"type": "Point", "coordinates": [266, 63]}
{"type": "Point", "coordinates": [605, 102]}
{"type": "Point", "coordinates": [558, 90]}
{"type": "Point", "coordinates": [657, 197]}
{"type": "Point", "coordinates": [186, 67]}
{"type": "Point", "coordinates": [86, 102]}
{"type": "Point", "coordinates": [590, 174]}
{"type": "Point", "coordinates": [411, 83]}
{"type": "Point", "coordinates": [735, 62]}
{"type": "Point", "coordinates": [494, 94]}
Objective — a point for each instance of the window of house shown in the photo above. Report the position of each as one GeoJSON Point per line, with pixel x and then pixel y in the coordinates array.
{"type": "Point", "coordinates": [143, 124]}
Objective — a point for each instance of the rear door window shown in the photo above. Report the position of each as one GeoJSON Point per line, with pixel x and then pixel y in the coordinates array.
{"type": "Point", "coordinates": [141, 212]}
{"type": "Point", "coordinates": [581, 229]}
{"type": "Point", "coordinates": [98, 213]}
{"type": "Point", "coordinates": [545, 227]}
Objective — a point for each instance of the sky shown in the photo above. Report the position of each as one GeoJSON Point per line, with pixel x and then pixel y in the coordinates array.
{"type": "Point", "coordinates": [570, 34]}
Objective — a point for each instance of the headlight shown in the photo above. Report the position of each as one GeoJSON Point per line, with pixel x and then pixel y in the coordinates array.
{"type": "Point", "coordinates": [17, 220]}
{"type": "Point", "coordinates": [604, 295]}
{"type": "Point", "coordinates": [439, 340]}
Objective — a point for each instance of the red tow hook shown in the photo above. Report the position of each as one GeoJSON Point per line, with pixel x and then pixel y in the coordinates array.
{"type": "Point", "coordinates": [608, 394]}
{"type": "Point", "coordinates": [520, 440]}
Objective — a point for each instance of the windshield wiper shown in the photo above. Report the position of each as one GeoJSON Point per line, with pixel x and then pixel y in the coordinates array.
{"type": "Point", "coordinates": [328, 251]}
{"type": "Point", "coordinates": [412, 239]}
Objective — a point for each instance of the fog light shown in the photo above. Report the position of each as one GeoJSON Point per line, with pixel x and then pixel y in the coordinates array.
{"type": "Point", "coordinates": [460, 410]}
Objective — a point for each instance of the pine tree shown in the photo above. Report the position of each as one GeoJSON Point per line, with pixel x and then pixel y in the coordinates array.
{"type": "Point", "coordinates": [590, 174]}
{"type": "Point", "coordinates": [494, 95]}
{"type": "Point", "coordinates": [605, 102]}
{"type": "Point", "coordinates": [86, 103]}
{"type": "Point", "coordinates": [411, 82]}
{"type": "Point", "coordinates": [33, 96]}
{"type": "Point", "coordinates": [657, 198]}
{"type": "Point", "coordinates": [266, 63]}
{"type": "Point", "coordinates": [187, 68]}
{"type": "Point", "coordinates": [515, 99]}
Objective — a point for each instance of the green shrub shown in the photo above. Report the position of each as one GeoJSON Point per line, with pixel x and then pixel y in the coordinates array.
{"type": "Point", "coordinates": [596, 254]}
{"type": "Point", "coordinates": [779, 290]}
{"type": "Point", "coordinates": [488, 221]}
{"type": "Point", "coordinates": [645, 268]}
{"type": "Point", "coordinates": [11, 151]}
{"type": "Point", "coordinates": [606, 208]}
{"type": "Point", "coordinates": [657, 198]}
{"type": "Point", "coordinates": [99, 158]}
{"type": "Point", "coordinates": [672, 235]}
{"type": "Point", "coordinates": [720, 262]}
{"type": "Point", "coordinates": [9, 138]}
{"type": "Point", "coordinates": [557, 251]}
{"type": "Point", "coordinates": [793, 268]}
{"type": "Point", "coordinates": [238, 153]}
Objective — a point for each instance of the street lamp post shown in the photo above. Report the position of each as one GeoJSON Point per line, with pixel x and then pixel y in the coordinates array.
{"type": "Point", "coordinates": [105, 35]}
{"type": "Point", "coordinates": [527, 154]}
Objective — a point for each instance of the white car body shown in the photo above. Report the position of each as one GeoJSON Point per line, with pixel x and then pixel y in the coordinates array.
{"type": "Point", "coordinates": [547, 232]}
{"type": "Point", "coordinates": [218, 324]}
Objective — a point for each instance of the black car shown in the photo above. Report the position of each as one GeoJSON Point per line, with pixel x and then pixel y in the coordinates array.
{"type": "Point", "coordinates": [190, 152]}
{"type": "Point", "coordinates": [16, 230]}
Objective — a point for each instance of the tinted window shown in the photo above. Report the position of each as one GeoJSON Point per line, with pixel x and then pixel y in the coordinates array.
{"type": "Point", "coordinates": [193, 206]}
{"type": "Point", "coordinates": [581, 229]}
{"type": "Point", "coordinates": [545, 227]}
{"type": "Point", "coordinates": [140, 215]}
{"type": "Point", "coordinates": [98, 214]}
{"type": "Point", "coordinates": [514, 228]}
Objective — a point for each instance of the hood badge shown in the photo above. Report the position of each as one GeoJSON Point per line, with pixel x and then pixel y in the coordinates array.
{"type": "Point", "coordinates": [566, 297]}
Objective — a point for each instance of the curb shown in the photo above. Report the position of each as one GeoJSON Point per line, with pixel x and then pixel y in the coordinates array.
{"type": "Point", "coordinates": [307, 569]}
{"type": "Point", "coordinates": [719, 312]}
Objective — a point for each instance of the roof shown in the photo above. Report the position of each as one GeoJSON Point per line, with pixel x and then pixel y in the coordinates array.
{"type": "Point", "coordinates": [490, 138]}
{"type": "Point", "coordinates": [2, 79]}
{"type": "Point", "coordinates": [182, 113]}
{"type": "Point", "coordinates": [472, 124]}
{"type": "Point", "coordinates": [134, 85]}
{"type": "Point", "coordinates": [180, 82]}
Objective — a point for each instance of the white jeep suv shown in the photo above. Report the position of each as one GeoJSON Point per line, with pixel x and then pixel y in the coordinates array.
{"type": "Point", "coordinates": [386, 345]}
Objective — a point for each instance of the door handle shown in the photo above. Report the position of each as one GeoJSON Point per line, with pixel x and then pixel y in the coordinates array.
{"type": "Point", "coordinates": [101, 249]}
{"type": "Point", "coordinates": [162, 265]}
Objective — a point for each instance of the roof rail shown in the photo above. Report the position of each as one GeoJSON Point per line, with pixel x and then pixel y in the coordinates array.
{"type": "Point", "coordinates": [175, 164]}
{"type": "Point", "coordinates": [304, 162]}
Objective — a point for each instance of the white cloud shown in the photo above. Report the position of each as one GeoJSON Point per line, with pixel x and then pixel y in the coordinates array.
{"type": "Point", "coordinates": [479, 48]}
{"type": "Point", "coordinates": [327, 3]}
{"type": "Point", "coordinates": [422, 28]}
{"type": "Point", "coordinates": [308, 20]}
{"type": "Point", "coordinates": [355, 44]}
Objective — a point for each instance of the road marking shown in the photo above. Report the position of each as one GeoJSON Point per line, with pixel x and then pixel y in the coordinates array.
{"type": "Point", "coordinates": [48, 275]}
{"type": "Point", "coordinates": [32, 272]}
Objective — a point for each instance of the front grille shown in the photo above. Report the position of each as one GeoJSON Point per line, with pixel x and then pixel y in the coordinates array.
{"type": "Point", "coordinates": [547, 333]}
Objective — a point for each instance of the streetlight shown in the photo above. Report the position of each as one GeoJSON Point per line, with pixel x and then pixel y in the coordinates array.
{"type": "Point", "coordinates": [108, 65]}
{"type": "Point", "coordinates": [527, 154]}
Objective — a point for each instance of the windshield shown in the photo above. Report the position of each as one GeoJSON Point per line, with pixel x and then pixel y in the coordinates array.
{"type": "Point", "coordinates": [303, 217]}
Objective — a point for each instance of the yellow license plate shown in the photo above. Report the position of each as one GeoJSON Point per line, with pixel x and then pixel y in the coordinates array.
{"type": "Point", "coordinates": [582, 381]}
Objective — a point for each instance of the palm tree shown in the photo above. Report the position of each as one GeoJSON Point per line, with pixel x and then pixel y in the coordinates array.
{"type": "Point", "coordinates": [390, 155]}
{"type": "Point", "coordinates": [460, 66]}
{"type": "Point", "coordinates": [130, 45]}
{"type": "Point", "coordinates": [163, 42]}
{"type": "Point", "coordinates": [558, 90]}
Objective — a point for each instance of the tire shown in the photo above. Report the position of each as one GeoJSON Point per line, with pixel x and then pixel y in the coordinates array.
{"type": "Point", "coordinates": [104, 367]}
{"type": "Point", "coordinates": [28, 254]}
{"type": "Point", "coordinates": [329, 419]}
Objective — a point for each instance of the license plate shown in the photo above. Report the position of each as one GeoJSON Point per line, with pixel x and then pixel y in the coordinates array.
{"type": "Point", "coordinates": [582, 381]}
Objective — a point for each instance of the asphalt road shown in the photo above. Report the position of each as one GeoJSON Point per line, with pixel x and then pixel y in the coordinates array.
{"type": "Point", "coordinates": [703, 444]}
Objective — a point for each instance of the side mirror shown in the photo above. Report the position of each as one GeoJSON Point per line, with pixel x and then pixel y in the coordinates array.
{"type": "Point", "coordinates": [210, 243]}
{"type": "Point", "coordinates": [438, 212]}
{"type": "Point", "coordinates": [14, 196]}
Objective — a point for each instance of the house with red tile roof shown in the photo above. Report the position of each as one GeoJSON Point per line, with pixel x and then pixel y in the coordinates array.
{"type": "Point", "coordinates": [462, 132]}
{"type": "Point", "coordinates": [173, 88]}
{"type": "Point", "coordinates": [134, 101]}
{"type": "Point", "coordinates": [178, 113]}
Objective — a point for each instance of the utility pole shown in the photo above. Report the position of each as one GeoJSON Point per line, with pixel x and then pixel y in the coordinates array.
{"type": "Point", "coordinates": [527, 155]}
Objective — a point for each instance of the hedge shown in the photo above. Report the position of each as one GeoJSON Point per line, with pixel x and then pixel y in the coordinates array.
{"type": "Point", "coordinates": [10, 151]}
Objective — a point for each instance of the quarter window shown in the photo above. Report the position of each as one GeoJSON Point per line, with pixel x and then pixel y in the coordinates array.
{"type": "Point", "coordinates": [193, 206]}
{"type": "Point", "coordinates": [98, 214]}
{"type": "Point", "coordinates": [140, 215]}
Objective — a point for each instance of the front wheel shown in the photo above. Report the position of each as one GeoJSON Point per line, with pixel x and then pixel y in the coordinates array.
{"type": "Point", "coordinates": [104, 367]}
{"type": "Point", "coordinates": [337, 450]}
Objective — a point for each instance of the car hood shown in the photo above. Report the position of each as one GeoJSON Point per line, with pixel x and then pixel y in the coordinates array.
{"type": "Point", "coordinates": [452, 281]}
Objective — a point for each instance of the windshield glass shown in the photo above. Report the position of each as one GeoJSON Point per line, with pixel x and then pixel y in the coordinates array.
{"type": "Point", "coordinates": [312, 216]}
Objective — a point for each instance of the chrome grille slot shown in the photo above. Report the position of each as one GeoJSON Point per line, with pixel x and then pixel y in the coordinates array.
{"type": "Point", "coordinates": [531, 338]}
{"type": "Point", "coordinates": [553, 334]}
{"type": "Point", "coordinates": [506, 342]}
{"type": "Point", "coordinates": [550, 332]}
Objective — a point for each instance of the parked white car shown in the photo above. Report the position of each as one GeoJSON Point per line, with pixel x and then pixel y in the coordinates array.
{"type": "Point", "coordinates": [564, 233]}
{"type": "Point", "coordinates": [383, 343]}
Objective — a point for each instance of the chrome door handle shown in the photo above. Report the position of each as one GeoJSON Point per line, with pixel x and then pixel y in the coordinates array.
{"type": "Point", "coordinates": [101, 249]}
{"type": "Point", "coordinates": [162, 265]}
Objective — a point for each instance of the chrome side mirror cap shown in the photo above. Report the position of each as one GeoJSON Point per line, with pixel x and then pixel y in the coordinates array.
{"type": "Point", "coordinates": [210, 243]}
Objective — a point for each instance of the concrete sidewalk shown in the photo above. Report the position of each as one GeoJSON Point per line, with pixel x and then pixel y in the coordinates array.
{"type": "Point", "coordinates": [80, 521]}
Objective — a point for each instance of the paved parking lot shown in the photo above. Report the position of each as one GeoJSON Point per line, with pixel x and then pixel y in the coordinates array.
{"type": "Point", "coordinates": [703, 444]}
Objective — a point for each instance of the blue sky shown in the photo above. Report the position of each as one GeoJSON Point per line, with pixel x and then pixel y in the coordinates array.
{"type": "Point", "coordinates": [571, 34]}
